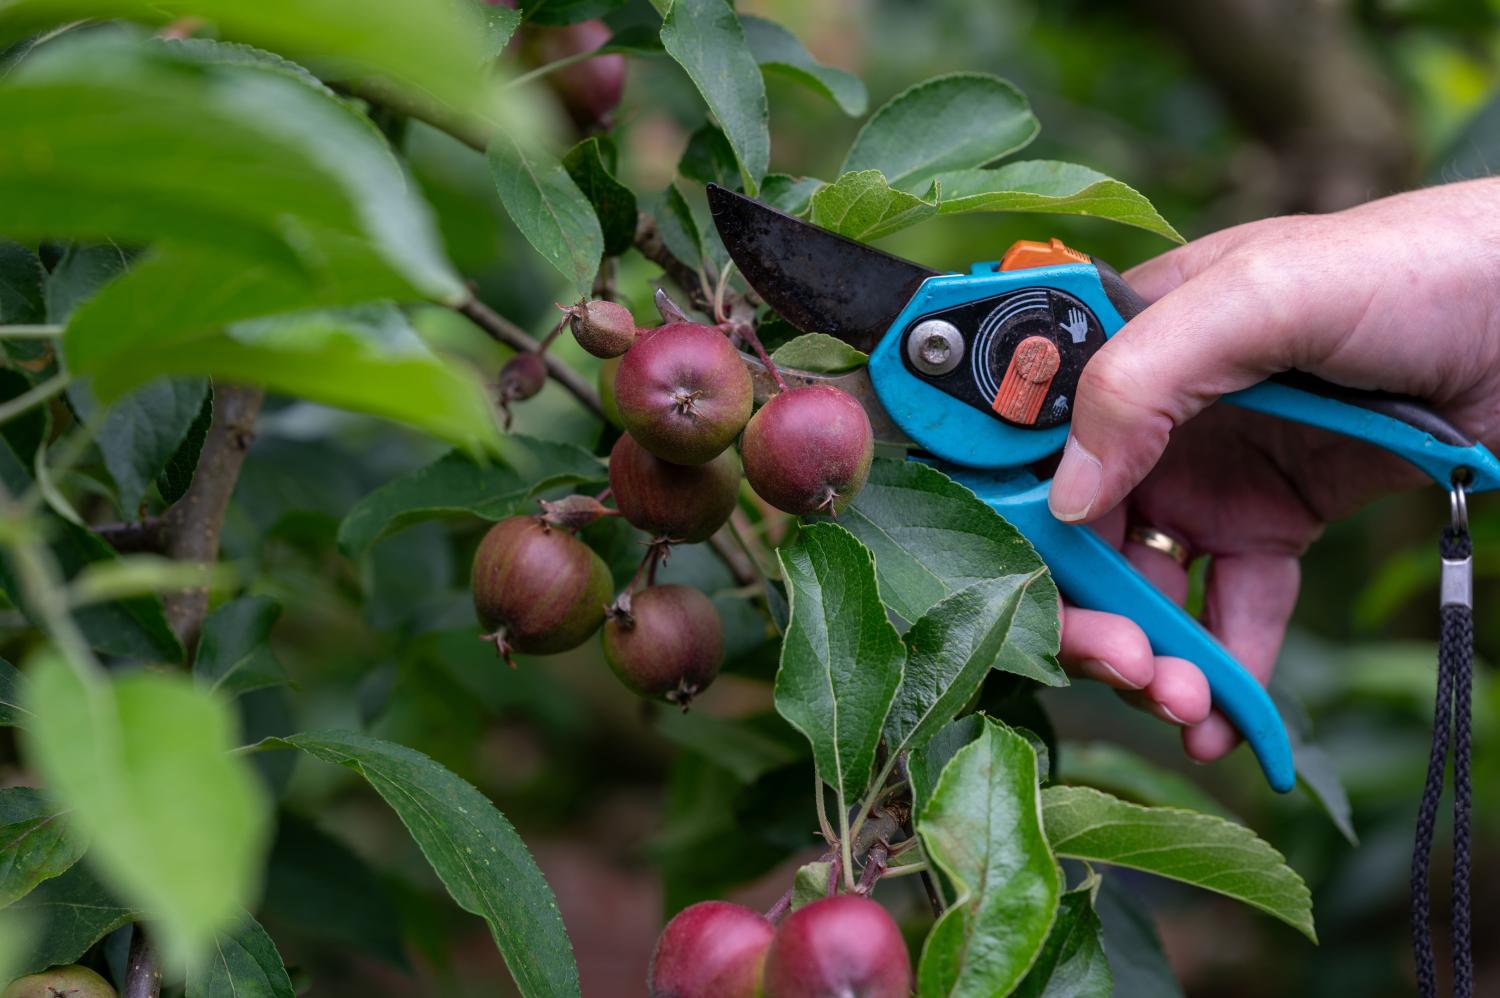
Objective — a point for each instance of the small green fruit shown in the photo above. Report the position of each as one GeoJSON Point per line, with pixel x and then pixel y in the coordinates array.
{"type": "Point", "coordinates": [61, 982]}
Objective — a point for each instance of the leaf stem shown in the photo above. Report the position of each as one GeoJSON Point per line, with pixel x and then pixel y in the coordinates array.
{"type": "Point", "coordinates": [823, 824]}
{"type": "Point", "coordinates": [846, 846]}
{"type": "Point", "coordinates": [34, 396]}
{"type": "Point", "coordinates": [746, 331]}
{"type": "Point", "coordinates": [906, 870]}
{"type": "Point", "coordinates": [552, 67]}
{"type": "Point", "coordinates": [24, 332]}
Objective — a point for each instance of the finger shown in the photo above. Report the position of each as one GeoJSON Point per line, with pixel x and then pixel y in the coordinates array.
{"type": "Point", "coordinates": [1105, 647]}
{"type": "Point", "coordinates": [1162, 274]}
{"type": "Point", "coordinates": [1177, 693]}
{"type": "Point", "coordinates": [1223, 330]}
{"type": "Point", "coordinates": [1160, 569]}
{"type": "Point", "coordinates": [1247, 604]}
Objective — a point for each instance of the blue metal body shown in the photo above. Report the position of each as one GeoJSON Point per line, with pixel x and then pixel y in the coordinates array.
{"type": "Point", "coordinates": [987, 456]}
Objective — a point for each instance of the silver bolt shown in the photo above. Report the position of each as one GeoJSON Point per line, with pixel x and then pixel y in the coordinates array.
{"type": "Point", "coordinates": [935, 346]}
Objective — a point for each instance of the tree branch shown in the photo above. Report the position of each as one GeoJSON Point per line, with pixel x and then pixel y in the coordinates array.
{"type": "Point", "coordinates": [191, 527]}
{"type": "Point", "coordinates": [648, 240]}
{"type": "Point", "coordinates": [504, 331]}
{"type": "Point", "coordinates": [133, 537]}
{"type": "Point", "coordinates": [142, 972]}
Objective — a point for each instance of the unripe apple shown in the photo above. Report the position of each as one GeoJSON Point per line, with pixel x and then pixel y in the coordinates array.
{"type": "Point", "coordinates": [683, 392]}
{"type": "Point", "coordinates": [808, 450]}
{"type": "Point", "coordinates": [61, 982]}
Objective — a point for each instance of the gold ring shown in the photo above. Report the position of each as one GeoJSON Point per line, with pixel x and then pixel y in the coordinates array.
{"type": "Point", "coordinates": [1158, 540]}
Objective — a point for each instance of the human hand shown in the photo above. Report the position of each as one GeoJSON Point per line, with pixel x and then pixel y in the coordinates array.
{"type": "Point", "coordinates": [1401, 295]}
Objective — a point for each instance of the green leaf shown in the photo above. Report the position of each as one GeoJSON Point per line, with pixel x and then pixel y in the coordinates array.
{"type": "Point", "coordinates": [233, 654]}
{"type": "Point", "coordinates": [779, 52]}
{"type": "Point", "coordinates": [176, 823]}
{"type": "Point", "coordinates": [841, 659]}
{"type": "Point", "coordinates": [705, 38]}
{"type": "Point", "coordinates": [558, 12]}
{"type": "Point", "coordinates": [1318, 775]}
{"type": "Point", "coordinates": [676, 225]}
{"type": "Point", "coordinates": [435, 49]}
{"type": "Point", "coordinates": [1106, 766]}
{"type": "Point", "coordinates": [500, 24]}
{"type": "Point", "coordinates": [948, 654]}
{"type": "Point", "coordinates": [863, 206]}
{"type": "Point", "coordinates": [242, 164]}
{"type": "Point", "coordinates": [22, 278]}
{"type": "Point", "coordinates": [366, 359]}
{"type": "Point", "coordinates": [11, 711]}
{"type": "Point", "coordinates": [549, 209]}
{"type": "Point", "coordinates": [456, 484]}
{"type": "Point", "coordinates": [1055, 188]}
{"type": "Point", "coordinates": [36, 842]}
{"type": "Point", "coordinates": [1198, 849]}
{"type": "Point", "coordinates": [708, 158]}
{"type": "Point", "coordinates": [950, 122]}
{"type": "Point", "coordinates": [792, 195]}
{"type": "Point", "coordinates": [75, 912]}
{"type": "Point", "coordinates": [177, 475]}
{"type": "Point", "coordinates": [84, 269]}
{"type": "Point", "coordinates": [614, 203]}
{"type": "Point", "coordinates": [810, 883]}
{"type": "Point", "coordinates": [141, 432]}
{"type": "Point", "coordinates": [932, 537]}
{"type": "Point", "coordinates": [982, 827]}
{"type": "Point", "coordinates": [927, 762]}
{"type": "Point", "coordinates": [740, 747]}
{"type": "Point", "coordinates": [1072, 963]}
{"type": "Point", "coordinates": [1136, 961]}
{"type": "Point", "coordinates": [820, 353]}
{"type": "Point", "coordinates": [245, 964]}
{"type": "Point", "coordinates": [472, 848]}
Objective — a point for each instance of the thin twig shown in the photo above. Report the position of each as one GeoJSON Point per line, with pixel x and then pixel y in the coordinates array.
{"type": "Point", "coordinates": [34, 396]}
{"type": "Point", "coordinates": [738, 562]}
{"type": "Point", "coordinates": [131, 538]}
{"type": "Point", "coordinates": [193, 524]}
{"type": "Point", "coordinates": [502, 330]}
{"type": "Point", "coordinates": [25, 332]}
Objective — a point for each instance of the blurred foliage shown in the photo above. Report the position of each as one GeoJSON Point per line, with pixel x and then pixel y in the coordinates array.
{"type": "Point", "coordinates": [595, 781]}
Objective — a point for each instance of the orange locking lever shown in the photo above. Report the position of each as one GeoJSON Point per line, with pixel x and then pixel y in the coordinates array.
{"type": "Point", "coordinates": [1025, 253]}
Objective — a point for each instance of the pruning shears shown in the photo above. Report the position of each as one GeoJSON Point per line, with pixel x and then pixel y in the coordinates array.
{"type": "Point", "coordinates": [976, 373]}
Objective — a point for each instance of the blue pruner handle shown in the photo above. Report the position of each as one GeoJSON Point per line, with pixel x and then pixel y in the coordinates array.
{"type": "Point", "coordinates": [1093, 575]}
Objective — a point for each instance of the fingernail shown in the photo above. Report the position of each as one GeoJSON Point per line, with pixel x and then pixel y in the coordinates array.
{"type": "Point", "coordinates": [1169, 716]}
{"type": "Point", "coordinates": [1076, 484]}
{"type": "Point", "coordinates": [1101, 670]}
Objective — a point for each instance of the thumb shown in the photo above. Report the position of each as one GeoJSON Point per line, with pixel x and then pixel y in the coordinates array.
{"type": "Point", "coordinates": [1219, 330]}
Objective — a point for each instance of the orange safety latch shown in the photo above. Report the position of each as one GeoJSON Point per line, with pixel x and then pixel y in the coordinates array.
{"type": "Point", "coordinates": [1024, 253]}
{"type": "Point", "coordinates": [1027, 379]}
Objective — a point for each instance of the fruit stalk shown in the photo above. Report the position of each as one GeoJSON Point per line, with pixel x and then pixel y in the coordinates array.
{"type": "Point", "coordinates": [746, 331]}
{"type": "Point", "coordinates": [502, 330]}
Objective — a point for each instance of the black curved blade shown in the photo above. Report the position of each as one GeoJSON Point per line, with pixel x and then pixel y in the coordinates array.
{"type": "Point", "coordinates": [818, 281]}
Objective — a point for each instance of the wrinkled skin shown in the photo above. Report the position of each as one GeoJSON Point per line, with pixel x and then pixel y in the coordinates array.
{"type": "Point", "coordinates": [603, 328]}
{"type": "Point", "coordinates": [538, 589]}
{"type": "Point", "coordinates": [712, 949]}
{"type": "Point", "coordinates": [808, 450]}
{"type": "Point", "coordinates": [61, 982]}
{"type": "Point", "coordinates": [683, 392]}
{"type": "Point", "coordinates": [668, 643]}
{"type": "Point", "coordinates": [846, 946]}
{"type": "Point", "coordinates": [685, 503]}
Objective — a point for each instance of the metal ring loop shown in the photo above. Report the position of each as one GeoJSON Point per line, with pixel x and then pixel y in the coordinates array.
{"type": "Point", "coordinates": [1458, 504]}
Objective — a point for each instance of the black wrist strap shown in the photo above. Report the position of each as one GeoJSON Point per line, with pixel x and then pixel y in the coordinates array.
{"type": "Point", "coordinates": [1450, 721]}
